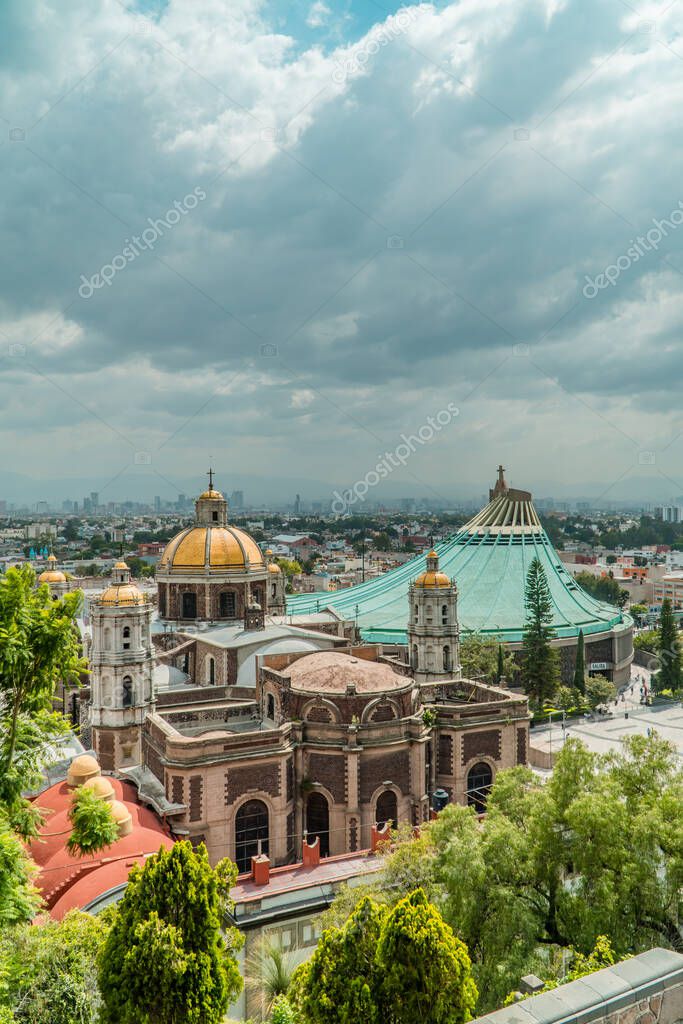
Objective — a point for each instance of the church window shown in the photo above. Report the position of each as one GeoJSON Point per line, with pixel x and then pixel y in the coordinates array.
{"type": "Point", "coordinates": [127, 692]}
{"type": "Point", "coordinates": [271, 707]}
{"type": "Point", "coordinates": [417, 612]}
{"type": "Point", "coordinates": [387, 809]}
{"type": "Point", "coordinates": [189, 605]}
{"type": "Point", "coordinates": [414, 661]}
{"type": "Point", "coordinates": [318, 822]}
{"type": "Point", "coordinates": [214, 516]}
{"type": "Point", "coordinates": [251, 828]}
{"type": "Point", "coordinates": [107, 639]}
{"type": "Point", "coordinates": [479, 781]}
{"type": "Point", "coordinates": [444, 614]}
{"type": "Point", "coordinates": [126, 638]}
{"type": "Point", "coordinates": [273, 591]}
{"type": "Point", "coordinates": [446, 658]}
{"type": "Point", "coordinates": [212, 671]}
{"type": "Point", "coordinates": [227, 605]}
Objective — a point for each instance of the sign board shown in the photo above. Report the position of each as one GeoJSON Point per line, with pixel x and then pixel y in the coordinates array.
{"type": "Point", "coordinates": [596, 666]}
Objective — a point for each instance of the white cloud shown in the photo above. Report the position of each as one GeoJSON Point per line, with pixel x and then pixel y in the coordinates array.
{"type": "Point", "coordinates": [318, 14]}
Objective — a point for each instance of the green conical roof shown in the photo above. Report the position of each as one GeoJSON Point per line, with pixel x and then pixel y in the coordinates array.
{"type": "Point", "coordinates": [488, 558]}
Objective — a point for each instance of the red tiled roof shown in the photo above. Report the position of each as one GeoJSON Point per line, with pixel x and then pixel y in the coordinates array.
{"type": "Point", "coordinates": [68, 882]}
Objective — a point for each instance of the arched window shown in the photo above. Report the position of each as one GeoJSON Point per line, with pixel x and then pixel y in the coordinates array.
{"type": "Point", "coordinates": [318, 822]}
{"type": "Point", "coordinates": [479, 781]}
{"type": "Point", "coordinates": [417, 611]}
{"type": "Point", "coordinates": [273, 591]}
{"type": "Point", "coordinates": [126, 638]}
{"type": "Point", "coordinates": [162, 602]}
{"type": "Point", "coordinates": [387, 809]}
{"type": "Point", "coordinates": [227, 605]}
{"type": "Point", "coordinates": [126, 692]}
{"type": "Point", "coordinates": [446, 658]}
{"type": "Point", "coordinates": [251, 825]}
{"type": "Point", "coordinates": [211, 672]}
{"type": "Point", "coordinates": [186, 663]}
{"type": "Point", "coordinates": [414, 660]}
{"type": "Point", "coordinates": [189, 605]}
{"type": "Point", "coordinates": [107, 639]}
{"type": "Point", "coordinates": [444, 614]}
{"type": "Point", "coordinates": [271, 707]}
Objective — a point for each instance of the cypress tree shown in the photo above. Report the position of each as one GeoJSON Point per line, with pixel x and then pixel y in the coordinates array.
{"type": "Point", "coordinates": [540, 663]}
{"type": "Point", "coordinates": [500, 671]}
{"type": "Point", "coordinates": [580, 667]}
{"type": "Point", "coordinates": [669, 675]}
{"type": "Point", "coordinates": [165, 960]}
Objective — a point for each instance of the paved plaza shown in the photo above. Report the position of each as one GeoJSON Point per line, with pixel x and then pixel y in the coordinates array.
{"type": "Point", "coordinates": [628, 718]}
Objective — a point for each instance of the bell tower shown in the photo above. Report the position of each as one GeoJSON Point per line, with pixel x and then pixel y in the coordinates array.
{"type": "Point", "coordinates": [121, 661]}
{"type": "Point", "coordinates": [433, 630]}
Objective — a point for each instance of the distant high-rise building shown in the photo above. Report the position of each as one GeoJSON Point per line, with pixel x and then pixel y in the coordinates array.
{"type": "Point", "coordinates": [669, 513]}
{"type": "Point", "coordinates": [95, 498]}
{"type": "Point", "coordinates": [297, 504]}
{"type": "Point", "coordinates": [157, 503]}
{"type": "Point", "coordinates": [237, 499]}
{"type": "Point", "coordinates": [42, 508]}
{"type": "Point", "coordinates": [87, 504]}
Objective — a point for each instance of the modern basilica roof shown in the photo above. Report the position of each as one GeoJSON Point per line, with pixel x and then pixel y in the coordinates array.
{"type": "Point", "coordinates": [488, 560]}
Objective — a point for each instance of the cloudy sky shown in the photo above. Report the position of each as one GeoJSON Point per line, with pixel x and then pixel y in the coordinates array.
{"type": "Point", "coordinates": [283, 235]}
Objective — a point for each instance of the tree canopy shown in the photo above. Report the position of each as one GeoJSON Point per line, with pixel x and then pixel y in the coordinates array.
{"type": "Point", "coordinates": [398, 965]}
{"type": "Point", "coordinates": [165, 960]}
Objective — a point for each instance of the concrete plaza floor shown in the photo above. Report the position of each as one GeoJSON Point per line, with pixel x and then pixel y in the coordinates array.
{"type": "Point", "coordinates": [606, 734]}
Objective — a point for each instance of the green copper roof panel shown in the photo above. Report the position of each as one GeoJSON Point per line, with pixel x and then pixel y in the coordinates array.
{"type": "Point", "coordinates": [489, 562]}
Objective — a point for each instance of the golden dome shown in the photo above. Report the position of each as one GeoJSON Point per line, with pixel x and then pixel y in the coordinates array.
{"type": "Point", "coordinates": [52, 558]}
{"type": "Point", "coordinates": [121, 565]}
{"type": "Point", "coordinates": [212, 494]}
{"type": "Point", "coordinates": [269, 552]}
{"type": "Point", "coordinates": [121, 595]}
{"type": "Point", "coordinates": [211, 549]}
{"type": "Point", "coordinates": [432, 554]}
{"type": "Point", "coordinates": [274, 568]}
{"type": "Point", "coordinates": [101, 786]}
{"type": "Point", "coordinates": [432, 579]}
{"type": "Point", "coordinates": [52, 576]}
{"type": "Point", "coordinates": [81, 769]}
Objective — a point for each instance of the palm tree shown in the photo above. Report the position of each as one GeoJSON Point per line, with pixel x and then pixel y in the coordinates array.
{"type": "Point", "coordinates": [268, 971]}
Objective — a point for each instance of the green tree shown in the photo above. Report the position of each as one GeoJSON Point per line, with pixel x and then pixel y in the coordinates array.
{"type": "Point", "coordinates": [599, 691]}
{"type": "Point", "coordinates": [339, 984]}
{"type": "Point", "coordinates": [165, 960]}
{"type": "Point", "coordinates": [669, 675]}
{"type": "Point", "coordinates": [19, 899]}
{"type": "Point", "coordinates": [480, 658]}
{"type": "Point", "coordinates": [39, 645]}
{"type": "Point", "coordinates": [540, 663]}
{"type": "Point", "coordinates": [566, 698]}
{"type": "Point", "coordinates": [50, 970]}
{"type": "Point", "coordinates": [555, 865]}
{"type": "Point", "coordinates": [425, 970]}
{"type": "Point", "coordinates": [283, 1012]}
{"type": "Point", "coordinates": [580, 665]}
{"type": "Point", "coordinates": [500, 668]}
{"type": "Point", "coordinates": [93, 825]}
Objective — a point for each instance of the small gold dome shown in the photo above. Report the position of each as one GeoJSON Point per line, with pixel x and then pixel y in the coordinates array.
{"type": "Point", "coordinates": [269, 552]}
{"type": "Point", "coordinates": [121, 565]}
{"type": "Point", "coordinates": [121, 595]}
{"type": "Point", "coordinates": [52, 576]}
{"type": "Point", "coordinates": [52, 558]}
{"type": "Point", "coordinates": [432, 554]}
{"type": "Point", "coordinates": [122, 817]}
{"type": "Point", "coordinates": [432, 579]}
{"type": "Point", "coordinates": [274, 568]}
{"type": "Point", "coordinates": [100, 785]}
{"type": "Point", "coordinates": [82, 768]}
{"type": "Point", "coordinates": [212, 494]}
